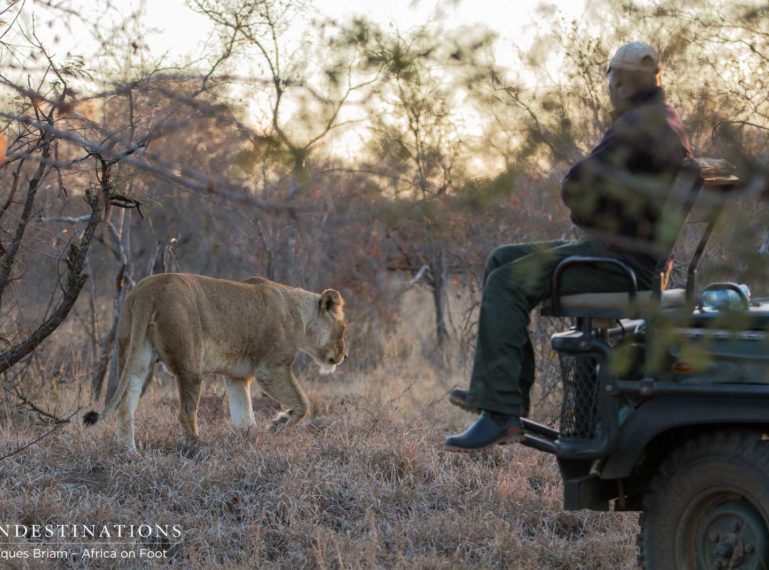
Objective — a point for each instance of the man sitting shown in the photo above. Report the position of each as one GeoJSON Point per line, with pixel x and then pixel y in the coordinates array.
{"type": "Point", "coordinates": [614, 196]}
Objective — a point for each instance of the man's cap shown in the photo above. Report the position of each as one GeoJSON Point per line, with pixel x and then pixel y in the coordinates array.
{"type": "Point", "coordinates": [636, 56]}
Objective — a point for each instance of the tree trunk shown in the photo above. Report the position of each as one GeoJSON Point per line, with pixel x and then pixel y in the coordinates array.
{"type": "Point", "coordinates": [122, 250]}
{"type": "Point", "coordinates": [109, 344]}
{"type": "Point", "coordinates": [290, 272]}
{"type": "Point", "coordinates": [440, 277]}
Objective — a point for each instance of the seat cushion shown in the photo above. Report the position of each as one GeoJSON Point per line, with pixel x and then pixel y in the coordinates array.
{"type": "Point", "coordinates": [601, 302]}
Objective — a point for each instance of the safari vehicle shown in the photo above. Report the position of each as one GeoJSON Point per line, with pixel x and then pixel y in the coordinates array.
{"type": "Point", "coordinates": [666, 402]}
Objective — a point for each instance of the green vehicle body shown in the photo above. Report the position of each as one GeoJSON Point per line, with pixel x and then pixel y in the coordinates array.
{"type": "Point", "coordinates": [666, 411]}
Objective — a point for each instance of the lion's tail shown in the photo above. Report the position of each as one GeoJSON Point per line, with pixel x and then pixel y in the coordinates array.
{"type": "Point", "coordinates": [136, 316]}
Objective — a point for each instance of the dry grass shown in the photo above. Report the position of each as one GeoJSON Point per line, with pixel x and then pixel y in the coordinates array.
{"type": "Point", "coordinates": [364, 484]}
{"type": "Point", "coordinates": [368, 488]}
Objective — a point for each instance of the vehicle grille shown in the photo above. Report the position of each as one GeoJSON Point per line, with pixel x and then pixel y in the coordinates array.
{"type": "Point", "coordinates": [579, 411]}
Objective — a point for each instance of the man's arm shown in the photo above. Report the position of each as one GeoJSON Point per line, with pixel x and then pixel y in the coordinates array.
{"type": "Point", "coordinates": [579, 184]}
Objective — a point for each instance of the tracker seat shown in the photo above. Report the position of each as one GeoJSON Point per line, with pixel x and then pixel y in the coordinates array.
{"type": "Point", "coordinates": [676, 213]}
{"type": "Point", "coordinates": [619, 304]}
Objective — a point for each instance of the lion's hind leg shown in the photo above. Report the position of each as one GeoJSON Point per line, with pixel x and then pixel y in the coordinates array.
{"type": "Point", "coordinates": [281, 385]}
{"type": "Point", "coordinates": [178, 339]}
{"type": "Point", "coordinates": [190, 385]}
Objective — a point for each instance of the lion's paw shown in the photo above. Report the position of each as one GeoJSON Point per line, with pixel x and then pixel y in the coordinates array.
{"type": "Point", "coordinates": [279, 422]}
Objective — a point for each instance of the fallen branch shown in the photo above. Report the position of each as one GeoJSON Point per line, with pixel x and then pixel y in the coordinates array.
{"type": "Point", "coordinates": [413, 281]}
{"type": "Point", "coordinates": [57, 427]}
{"type": "Point", "coordinates": [36, 409]}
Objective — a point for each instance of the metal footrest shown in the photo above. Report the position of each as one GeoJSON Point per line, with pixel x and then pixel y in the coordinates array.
{"type": "Point", "coordinates": [539, 436]}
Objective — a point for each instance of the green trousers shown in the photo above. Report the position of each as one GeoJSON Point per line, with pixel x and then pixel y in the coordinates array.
{"type": "Point", "coordinates": [517, 279]}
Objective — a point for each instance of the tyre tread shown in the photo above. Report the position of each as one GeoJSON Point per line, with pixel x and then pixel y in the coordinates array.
{"type": "Point", "coordinates": [739, 442]}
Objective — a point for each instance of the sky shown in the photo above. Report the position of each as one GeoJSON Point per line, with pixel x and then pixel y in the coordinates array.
{"type": "Point", "coordinates": [182, 32]}
{"type": "Point", "coordinates": [182, 35]}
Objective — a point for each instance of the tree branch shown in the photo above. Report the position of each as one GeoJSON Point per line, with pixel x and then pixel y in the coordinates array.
{"type": "Point", "coordinates": [75, 279]}
{"type": "Point", "coordinates": [6, 261]}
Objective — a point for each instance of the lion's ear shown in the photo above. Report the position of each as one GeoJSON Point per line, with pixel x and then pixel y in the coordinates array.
{"type": "Point", "coordinates": [331, 300]}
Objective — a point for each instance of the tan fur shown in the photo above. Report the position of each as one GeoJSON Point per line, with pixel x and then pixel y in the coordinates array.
{"type": "Point", "coordinates": [199, 325]}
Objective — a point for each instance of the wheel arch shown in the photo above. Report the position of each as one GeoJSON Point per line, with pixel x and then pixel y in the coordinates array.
{"type": "Point", "coordinates": [663, 423]}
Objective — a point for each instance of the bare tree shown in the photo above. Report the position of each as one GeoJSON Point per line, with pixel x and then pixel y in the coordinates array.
{"type": "Point", "coordinates": [304, 97]}
{"type": "Point", "coordinates": [417, 149]}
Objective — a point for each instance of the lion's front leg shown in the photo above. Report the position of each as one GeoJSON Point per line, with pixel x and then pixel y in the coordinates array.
{"type": "Point", "coordinates": [281, 385]}
{"type": "Point", "coordinates": [239, 399]}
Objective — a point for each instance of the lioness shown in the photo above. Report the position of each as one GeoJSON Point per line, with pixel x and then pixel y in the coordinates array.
{"type": "Point", "coordinates": [199, 325]}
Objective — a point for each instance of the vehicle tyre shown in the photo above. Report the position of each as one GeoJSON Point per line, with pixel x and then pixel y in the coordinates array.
{"type": "Point", "coordinates": [708, 505]}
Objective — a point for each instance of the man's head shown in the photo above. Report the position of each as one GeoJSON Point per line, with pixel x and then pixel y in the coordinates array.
{"type": "Point", "coordinates": [634, 68]}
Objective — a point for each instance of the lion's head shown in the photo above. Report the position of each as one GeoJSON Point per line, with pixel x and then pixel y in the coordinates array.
{"type": "Point", "coordinates": [326, 333]}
